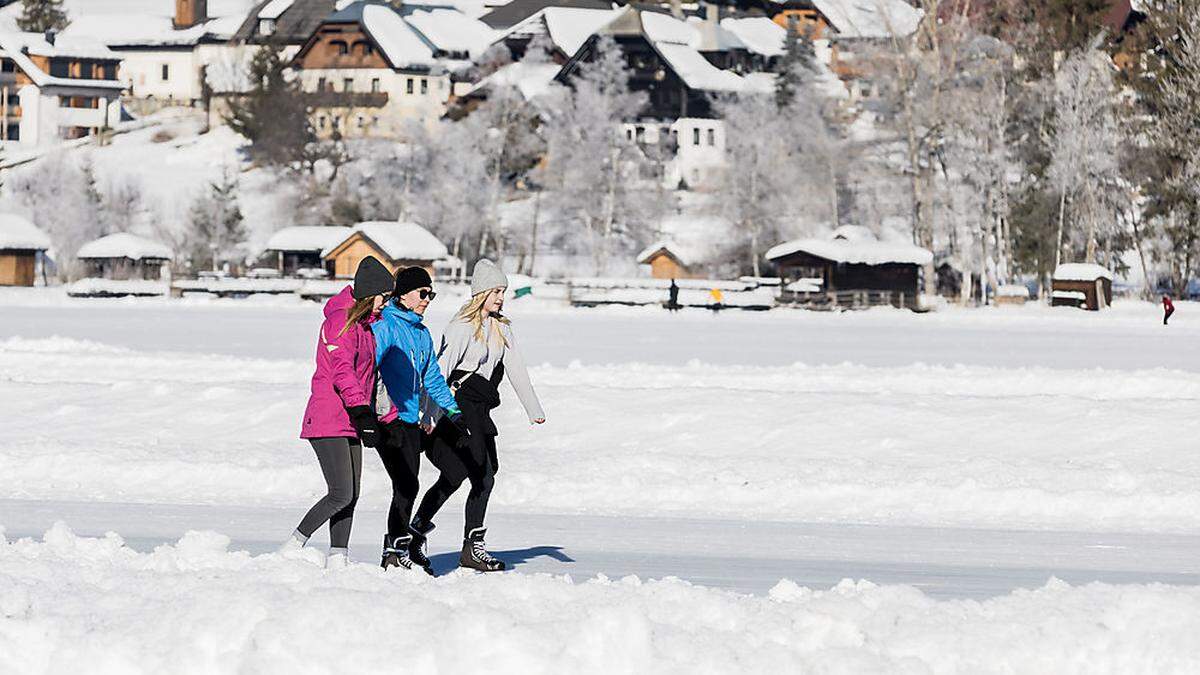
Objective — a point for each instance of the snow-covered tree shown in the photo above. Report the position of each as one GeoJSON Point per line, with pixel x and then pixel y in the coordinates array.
{"type": "Point", "coordinates": [53, 192]}
{"type": "Point", "coordinates": [215, 231]}
{"type": "Point", "coordinates": [39, 16]}
{"type": "Point", "coordinates": [1084, 148]}
{"type": "Point", "coordinates": [592, 169]}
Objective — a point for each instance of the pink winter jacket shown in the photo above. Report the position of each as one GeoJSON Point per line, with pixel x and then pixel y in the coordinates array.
{"type": "Point", "coordinates": [345, 374]}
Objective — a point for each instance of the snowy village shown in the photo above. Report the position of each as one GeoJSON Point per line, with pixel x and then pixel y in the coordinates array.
{"type": "Point", "coordinates": [719, 336]}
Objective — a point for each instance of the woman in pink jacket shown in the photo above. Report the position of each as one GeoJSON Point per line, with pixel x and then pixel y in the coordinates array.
{"type": "Point", "coordinates": [341, 413]}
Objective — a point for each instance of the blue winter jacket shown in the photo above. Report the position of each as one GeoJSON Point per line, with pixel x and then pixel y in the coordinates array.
{"type": "Point", "coordinates": [407, 363]}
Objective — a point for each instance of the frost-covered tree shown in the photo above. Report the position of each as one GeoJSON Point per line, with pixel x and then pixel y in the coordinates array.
{"type": "Point", "coordinates": [592, 168]}
{"type": "Point", "coordinates": [39, 16]}
{"type": "Point", "coordinates": [1084, 148]}
{"type": "Point", "coordinates": [451, 198]}
{"type": "Point", "coordinates": [215, 231]}
{"type": "Point", "coordinates": [52, 192]}
{"type": "Point", "coordinates": [124, 203]}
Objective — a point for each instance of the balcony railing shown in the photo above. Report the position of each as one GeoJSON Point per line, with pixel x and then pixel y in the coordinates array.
{"type": "Point", "coordinates": [345, 99]}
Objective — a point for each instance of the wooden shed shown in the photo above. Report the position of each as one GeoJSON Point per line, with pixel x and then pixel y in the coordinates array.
{"type": "Point", "coordinates": [854, 268]}
{"type": "Point", "coordinates": [124, 257]}
{"type": "Point", "coordinates": [22, 247]}
{"type": "Point", "coordinates": [1083, 285]}
{"type": "Point", "coordinates": [668, 260]}
{"type": "Point", "coordinates": [300, 247]}
{"type": "Point", "coordinates": [397, 245]}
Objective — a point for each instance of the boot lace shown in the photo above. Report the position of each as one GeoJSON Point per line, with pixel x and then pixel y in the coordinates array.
{"type": "Point", "coordinates": [479, 553]}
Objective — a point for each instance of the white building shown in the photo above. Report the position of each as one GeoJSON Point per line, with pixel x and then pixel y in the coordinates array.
{"type": "Point", "coordinates": [56, 87]}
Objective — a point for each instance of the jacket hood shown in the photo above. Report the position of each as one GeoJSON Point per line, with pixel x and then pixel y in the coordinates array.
{"type": "Point", "coordinates": [340, 303]}
{"type": "Point", "coordinates": [406, 315]}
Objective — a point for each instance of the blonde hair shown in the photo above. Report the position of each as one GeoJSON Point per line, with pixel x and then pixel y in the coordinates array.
{"type": "Point", "coordinates": [359, 311]}
{"type": "Point", "coordinates": [472, 313]}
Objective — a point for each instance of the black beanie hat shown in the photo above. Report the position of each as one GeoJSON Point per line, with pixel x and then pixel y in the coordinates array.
{"type": "Point", "coordinates": [411, 278]}
{"type": "Point", "coordinates": [371, 278]}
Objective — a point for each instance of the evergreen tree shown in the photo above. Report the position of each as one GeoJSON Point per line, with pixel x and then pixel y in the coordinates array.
{"type": "Point", "coordinates": [796, 67]}
{"type": "Point", "coordinates": [273, 115]}
{"type": "Point", "coordinates": [39, 16]}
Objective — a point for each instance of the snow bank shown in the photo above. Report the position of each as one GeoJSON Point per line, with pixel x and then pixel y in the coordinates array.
{"type": "Point", "coordinates": [921, 445]}
{"type": "Point", "coordinates": [200, 607]}
{"type": "Point", "coordinates": [18, 233]}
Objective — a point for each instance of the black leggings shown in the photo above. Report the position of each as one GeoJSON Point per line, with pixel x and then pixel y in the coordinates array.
{"type": "Point", "coordinates": [341, 462]}
{"type": "Point", "coordinates": [477, 463]}
{"type": "Point", "coordinates": [401, 457]}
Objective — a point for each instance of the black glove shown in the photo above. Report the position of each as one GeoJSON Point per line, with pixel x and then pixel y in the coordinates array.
{"type": "Point", "coordinates": [363, 419]}
{"type": "Point", "coordinates": [460, 425]}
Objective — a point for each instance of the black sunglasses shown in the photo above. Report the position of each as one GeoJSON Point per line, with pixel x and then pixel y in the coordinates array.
{"type": "Point", "coordinates": [427, 295]}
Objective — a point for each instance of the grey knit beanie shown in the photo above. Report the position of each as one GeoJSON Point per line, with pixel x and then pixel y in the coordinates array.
{"type": "Point", "coordinates": [486, 277]}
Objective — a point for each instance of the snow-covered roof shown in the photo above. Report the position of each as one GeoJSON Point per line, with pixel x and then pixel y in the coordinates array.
{"type": "Point", "coordinates": [18, 233]}
{"type": "Point", "coordinates": [1081, 272]}
{"type": "Point", "coordinates": [666, 28]}
{"type": "Point", "coordinates": [531, 79]}
{"type": "Point", "coordinates": [696, 71]}
{"type": "Point", "coordinates": [19, 46]}
{"type": "Point", "coordinates": [760, 34]}
{"type": "Point", "coordinates": [684, 254]}
{"type": "Point", "coordinates": [570, 27]}
{"type": "Point", "coordinates": [449, 30]}
{"type": "Point", "coordinates": [399, 42]}
{"type": "Point", "coordinates": [314, 238]}
{"type": "Point", "coordinates": [399, 241]}
{"type": "Point", "coordinates": [854, 245]}
{"type": "Point", "coordinates": [870, 18]}
{"type": "Point", "coordinates": [124, 245]}
{"type": "Point", "coordinates": [275, 9]}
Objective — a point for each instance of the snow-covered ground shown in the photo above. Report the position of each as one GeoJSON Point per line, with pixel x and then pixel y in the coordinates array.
{"type": "Point", "coordinates": [953, 459]}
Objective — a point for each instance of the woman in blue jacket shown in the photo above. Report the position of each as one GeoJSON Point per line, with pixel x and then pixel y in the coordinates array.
{"type": "Point", "coordinates": [409, 369]}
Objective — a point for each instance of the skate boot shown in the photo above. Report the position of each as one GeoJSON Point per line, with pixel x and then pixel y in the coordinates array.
{"type": "Point", "coordinates": [337, 559]}
{"type": "Point", "coordinates": [395, 552]}
{"type": "Point", "coordinates": [416, 549]}
{"type": "Point", "coordinates": [475, 556]}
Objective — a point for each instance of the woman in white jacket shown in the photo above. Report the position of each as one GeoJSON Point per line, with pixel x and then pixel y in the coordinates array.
{"type": "Point", "coordinates": [477, 350]}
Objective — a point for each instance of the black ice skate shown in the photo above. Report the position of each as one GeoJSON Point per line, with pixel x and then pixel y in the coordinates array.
{"type": "Point", "coordinates": [475, 556]}
{"type": "Point", "coordinates": [395, 552]}
{"type": "Point", "coordinates": [419, 531]}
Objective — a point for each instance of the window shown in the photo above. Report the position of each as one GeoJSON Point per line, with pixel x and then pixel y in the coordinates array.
{"type": "Point", "coordinates": [640, 134]}
{"type": "Point", "coordinates": [341, 47]}
{"type": "Point", "coordinates": [266, 26]}
{"type": "Point", "coordinates": [424, 86]}
{"type": "Point", "coordinates": [321, 122]}
{"type": "Point", "coordinates": [87, 70]}
{"type": "Point", "coordinates": [8, 66]}
{"type": "Point", "coordinates": [321, 84]}
{"type": "Point", "coordinates": [375, 85]}
{"type": "Point", "coordinates": [363, 48]}
{"type": "Point", "coordinates": [166, 72]}
{"type": "Point", "coordinates": [629, 134]}
{"type": "Point", "coordinates": [110, 71]}
{"type": "Point", "coordinates": [362, 121]}
{"type": "Point", "coordinates": [696, 136]}
{"type": "Point", "coordinates": [60, 68]}
{"type": "Point", "coordinates": [712, 137]}
{"type": "Point", "coordinates": [347, 84]}
{"type": "Point", "coordinates": [409, 86]}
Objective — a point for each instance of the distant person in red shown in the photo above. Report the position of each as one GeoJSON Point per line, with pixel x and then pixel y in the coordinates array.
{"type": "Point", "coordinates": [1168, 308]}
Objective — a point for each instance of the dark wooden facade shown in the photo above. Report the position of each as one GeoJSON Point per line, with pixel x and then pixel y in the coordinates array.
{"type": "Point", "coordinates": [1097, 293]}
{"type": "Point", "coordinates": [852, 283]}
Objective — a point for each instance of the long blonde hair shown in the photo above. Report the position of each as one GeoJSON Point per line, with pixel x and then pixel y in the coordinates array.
{"type": "Point", "coordinates": [359, 311]}
{"type": "Point", "coordinates": [472, 313]}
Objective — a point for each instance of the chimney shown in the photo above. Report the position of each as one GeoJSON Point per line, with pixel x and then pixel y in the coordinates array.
{"type": "Point", "coordinates": [190, 13]}
{"type": "Point", "coordinates": [51, 36]}
{"type": "Point", "coordinates": [712, 13]}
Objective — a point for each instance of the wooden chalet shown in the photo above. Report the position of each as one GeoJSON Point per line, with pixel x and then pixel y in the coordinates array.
{"type": "Point", "coordinates": [22, 248]}
{"type": "Point", "coordinates": [850, 268]}
{"type": "Point", "coordinates": [668, 260]}
{"type": "Point", "coordinates": [396, 245]}
{"type": "Point", "coordinates": [1082, 285]}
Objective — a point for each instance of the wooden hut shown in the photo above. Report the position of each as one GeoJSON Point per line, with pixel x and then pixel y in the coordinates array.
{"type": "Point", "coordinates": [854, 269]}
{"type": "Point", "coordinates": [668, 260]}
{"type": "Point", "coordinates": [124, 257]}
{"type": "Point", "coordinates": [299, 248]}
{"type": "Point", "coordinates": [22, 245]}
{"type": "Point", "coordinates": [1083, 285]}
{"type": "Point", "coordinates": [396, 245]}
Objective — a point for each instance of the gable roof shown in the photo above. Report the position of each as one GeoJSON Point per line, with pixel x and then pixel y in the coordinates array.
{"type": "Point", "coordinates": [19, 46]}
{"type": "Point", "coordinates": [398, 241]}
{"type": "Point", "coordinates": [854, 245]}
{"type": "Point", "coordinates": [314, 238]}
{"type": "Point", "coordinates": [124, 245]}
{"type": "Point", "coordinates": [401, 46]}
{"type": "Point", "coordinates": [870, 18]}
{"type": "Point", "coordinates": [293, 25]}
{"type": "Point", "coordinates": [18, 233]}
{"type": "Point", "coordinates": [517, 11]}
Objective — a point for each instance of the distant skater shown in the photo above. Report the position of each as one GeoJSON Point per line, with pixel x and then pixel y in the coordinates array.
{"type": "Point", "coordinates": [477, 351]}
{"type": "Point", "coordinates": [1168, 308]}
{"type": "Point", "coordinates": [673, 296]}
{"type": "Point", "coordinates": [341, 418]}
